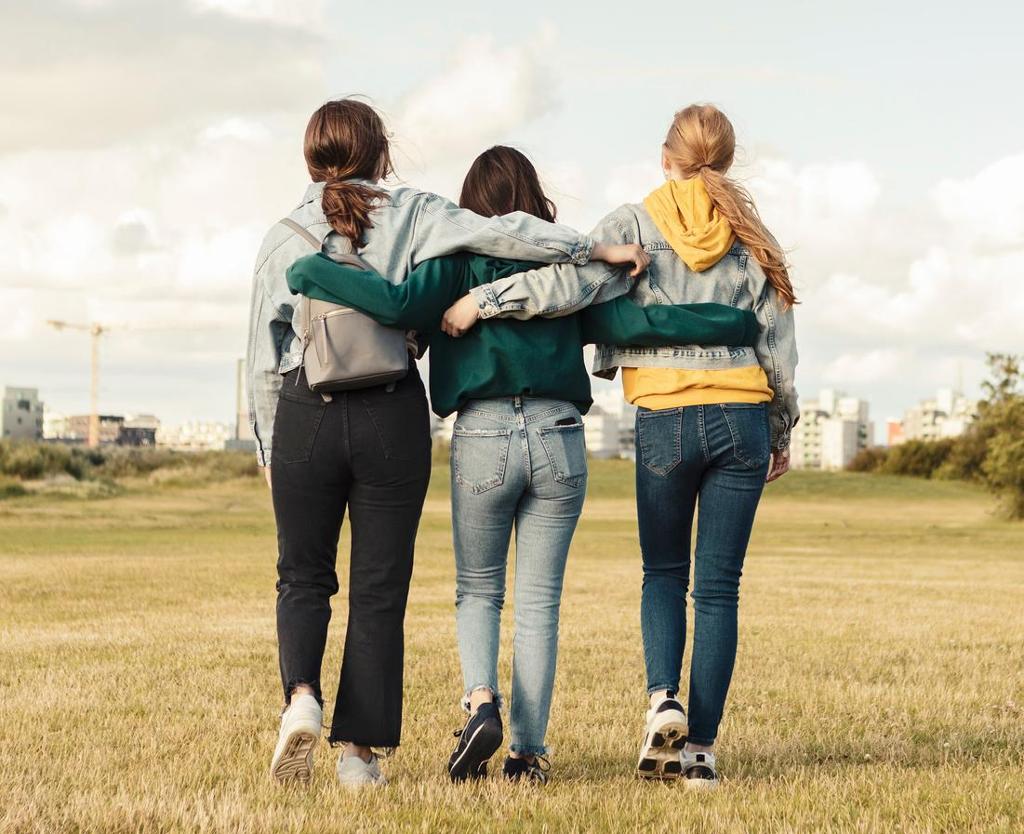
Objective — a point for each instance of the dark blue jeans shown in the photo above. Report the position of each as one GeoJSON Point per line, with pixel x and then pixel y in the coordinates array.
{"type": "Point", "coordinates": [714, 456]}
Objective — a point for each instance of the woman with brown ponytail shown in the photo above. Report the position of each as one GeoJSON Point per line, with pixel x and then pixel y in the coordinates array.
{"type": "Point", "coordinates": [368, 450]}
{"type": "Point", "coordinates": [713, 424]}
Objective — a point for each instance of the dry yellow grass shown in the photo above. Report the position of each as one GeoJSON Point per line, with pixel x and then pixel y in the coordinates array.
{"type": "Point", "coordinates": [879, 685]}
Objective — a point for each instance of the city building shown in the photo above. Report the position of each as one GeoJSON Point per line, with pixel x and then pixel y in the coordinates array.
{"type": "Point", "coordinates": [832, 429]}
{"type": "Point", "coordinates": [55, 426]}
{"type": "Point", "coordinates": [601, 432]}
{"type": "Point", "coordinates": [78, 428]}
{"type": "Point", "coordinates": [443, 428]}
{"type": "Point", "coordinates": [139, 430]}
{"type": "Point", "coordinates": [23, 414]}
{"type": "Point", "coordinates": [243, 440]}
{"type": "Point", "coordinates": [609, 400]}
{"type": "Point", "coordinates": [948, 414]}
{"type": "Point", "coordinates": [195, 436]}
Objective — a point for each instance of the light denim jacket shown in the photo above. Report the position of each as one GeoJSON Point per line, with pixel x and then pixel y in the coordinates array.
{"type": "Point", "coordinates": [409, 226]}
{"type": "Point", "coordinates": [737, 279]}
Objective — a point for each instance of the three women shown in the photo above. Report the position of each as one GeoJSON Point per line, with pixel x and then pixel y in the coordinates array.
{"type": "Point", "coordinates": [518, 460]}
{"type": "Point", "coordinates": [369, 450]}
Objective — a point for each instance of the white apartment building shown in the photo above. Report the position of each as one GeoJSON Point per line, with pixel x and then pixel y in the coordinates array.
{"type": "Point", "coordinates": [195, 436]}
{"type": "Point", "coordinates": [948, 414]}
{"type": "Point", "coordinates": [22, 414]}
{"type": "Point", "coordinates": [601, 432]}
{"type": "Point", "coordinates": [444, 427]}
{"type": "Point", "coordinates": [832, 429]}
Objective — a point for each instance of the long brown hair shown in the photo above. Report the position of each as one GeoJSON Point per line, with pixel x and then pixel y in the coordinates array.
{"type": "Point", "coordinates": [702, 143]}
{"type": "Point", "coordinates": [345, 140]}
{"type": "Point", "coordinates": [502, 180]}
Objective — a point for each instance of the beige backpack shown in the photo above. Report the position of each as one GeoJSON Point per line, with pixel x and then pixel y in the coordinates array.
{"type": "Point", "coordinates": [344, 349]}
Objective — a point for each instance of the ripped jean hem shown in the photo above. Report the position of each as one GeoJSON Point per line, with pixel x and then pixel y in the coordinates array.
{"type": "Point", "coordinates": [529, 749]}
{"type": "Point", "coordinates": [499, 701]}
{"type": "Point", "coordinates": [658, 687]}
{"type": "Point", "coordinates": [295, 682]}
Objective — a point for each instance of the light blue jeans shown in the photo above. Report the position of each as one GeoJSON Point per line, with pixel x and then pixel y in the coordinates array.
{"type": "Point", "coordinates": [523, 462]}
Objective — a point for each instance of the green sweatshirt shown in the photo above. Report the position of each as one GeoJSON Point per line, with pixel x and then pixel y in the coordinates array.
{"type": "Point", "coordinates": [541, 357]}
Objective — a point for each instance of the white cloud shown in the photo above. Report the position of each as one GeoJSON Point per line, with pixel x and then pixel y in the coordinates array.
{"type": "Point", "coordinates": [92, 74]}
{"type": "Point", "coordinates": [863, 368]}
{"type": "Point", "coordinates": [310, 14]}
{"type": "Point", "coordinates": [485, 92]}
{"type": "Point", "coordinates": [988, 208]}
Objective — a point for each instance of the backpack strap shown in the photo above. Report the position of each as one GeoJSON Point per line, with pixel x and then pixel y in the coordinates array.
{"type": "Point", "coordinates": [338, 248]}
{"type": "Point", "coordinates": [302, 232]}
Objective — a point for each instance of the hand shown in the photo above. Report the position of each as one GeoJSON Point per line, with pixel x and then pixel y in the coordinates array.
{"type": "Point", "coordinates": [779, 465]}
{"type": "Point", "coordinates": [460, 317]}
{"type": "Point", "coordinates": [622, 253]}
{"type": "Point", "coordinates": [266, 474]}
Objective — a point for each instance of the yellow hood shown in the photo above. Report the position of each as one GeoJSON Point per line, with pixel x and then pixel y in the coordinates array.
{"type": "Point", "coordinates": [683, 212]}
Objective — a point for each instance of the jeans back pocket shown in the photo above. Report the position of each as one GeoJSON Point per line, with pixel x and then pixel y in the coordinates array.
{"type": "Point", "coordinates": [659, 437]}
{"type": "Point", "coordinates": [295, 428]}
{"type": "Point", "coordinates": [479, 457]}
{"type": "Point", "coordinates": [751, 438]}
{"type": "Point", "coordinates": [566, 449]}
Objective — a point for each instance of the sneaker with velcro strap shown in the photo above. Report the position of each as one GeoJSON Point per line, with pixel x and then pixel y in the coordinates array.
{"type": "Point", "coordinates": [698, 770]}
{"type": "Point", "coordinates": [533, 770]}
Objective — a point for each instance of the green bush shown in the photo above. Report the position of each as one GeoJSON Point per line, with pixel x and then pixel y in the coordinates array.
{"type": "Point", "coordinates": [22, 461]}
{"type": "Point", "coordinates": [918, 458]}
{"type": "Point", "coordinates": [870, 459]}
{"type": "Point", "coordinates": [10, 488]}
{"type": "Point", "coordinates": [991, 451]}
{"type": "Point", "coordinates": [31, 461]}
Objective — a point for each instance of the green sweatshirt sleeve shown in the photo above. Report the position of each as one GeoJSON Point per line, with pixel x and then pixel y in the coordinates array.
{"type": "Point", "coordinates": [624, 322]}
{"type": "Point", "coordinates": [416, 304]}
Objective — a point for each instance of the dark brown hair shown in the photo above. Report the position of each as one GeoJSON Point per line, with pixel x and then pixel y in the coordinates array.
{"type": "Point", "coordinates": [346, 140]}
{"type": "Point", "coordinates": [502, 180]}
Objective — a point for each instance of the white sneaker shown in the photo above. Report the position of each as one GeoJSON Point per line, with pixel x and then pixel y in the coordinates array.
{"type": "Point", "coordinates": [699, 770]}
{"type": "Point", "coordinates": [664, 738]}
{"type": "Point", "coordinates": [300, 732]}
{"type": "Point", "coordinates": [355, 773]}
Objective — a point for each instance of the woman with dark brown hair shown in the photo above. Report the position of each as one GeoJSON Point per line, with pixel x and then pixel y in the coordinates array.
{"type": "Point", "coordinates": [368, 450]}
{"type": "Point", "coordinates": [518, 457]}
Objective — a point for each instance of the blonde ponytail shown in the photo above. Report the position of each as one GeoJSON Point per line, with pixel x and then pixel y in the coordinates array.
{"type": "Point", "coordinates": [701, 142]}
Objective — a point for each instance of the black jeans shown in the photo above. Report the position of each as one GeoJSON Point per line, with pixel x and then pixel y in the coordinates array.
{"type": "Point", "coordinates": [369, 451]}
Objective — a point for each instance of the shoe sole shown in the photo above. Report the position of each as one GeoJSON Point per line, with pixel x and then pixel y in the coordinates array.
{"type": "Point", "coordinates": [296, 761]}
{"type": "Point", "coordinates": [479, 749]}
{"type": "Point", "coordinates": [659, 756]}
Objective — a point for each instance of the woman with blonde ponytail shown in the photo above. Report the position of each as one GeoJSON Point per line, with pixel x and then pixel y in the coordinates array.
{"type": "Point", "coordinates": [712, 424]}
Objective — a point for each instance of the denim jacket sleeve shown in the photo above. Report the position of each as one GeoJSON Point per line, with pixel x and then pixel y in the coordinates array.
{"type": "Point", "coordinates": [444, 228]}
{"type": "Point", "coordinates": [777, 355]}
{"type": "Point", "coordinates": [564, 288]}
{"type": "Point", "coordinates": [270, 333]}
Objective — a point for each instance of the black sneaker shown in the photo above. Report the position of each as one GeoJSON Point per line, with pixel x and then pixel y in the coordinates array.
{"type": "Point", "coordinates": [523, 769]}
{"type": "Point", "coordinates": [477, 742]}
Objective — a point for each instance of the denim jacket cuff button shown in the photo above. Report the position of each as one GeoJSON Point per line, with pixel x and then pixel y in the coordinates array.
{"type": "Point", "coordinates": [486, 301]}
{"type": "Point", "coordinates": [581, 254]}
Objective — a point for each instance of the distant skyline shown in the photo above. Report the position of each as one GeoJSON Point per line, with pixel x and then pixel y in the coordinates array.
{"type": "Point", "coordinates": [146, 147]}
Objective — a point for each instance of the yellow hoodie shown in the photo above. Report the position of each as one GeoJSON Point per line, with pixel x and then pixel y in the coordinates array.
{"type": "Point", "coordinates": [684, 213]}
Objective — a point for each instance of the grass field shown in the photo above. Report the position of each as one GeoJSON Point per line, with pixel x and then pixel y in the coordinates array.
{"type": "Point", "coordinates": [879, 685]}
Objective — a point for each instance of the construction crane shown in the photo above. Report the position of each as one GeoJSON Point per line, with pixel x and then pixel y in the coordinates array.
{"type": "Point", "coordinates": [95, 331]}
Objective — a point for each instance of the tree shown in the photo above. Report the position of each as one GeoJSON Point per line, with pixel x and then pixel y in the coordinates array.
{"type": "Point", "coordinates": [1001, 424]}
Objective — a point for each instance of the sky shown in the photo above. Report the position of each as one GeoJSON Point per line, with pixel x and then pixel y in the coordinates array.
{"type": "Point", "coordinates": [146, 147]}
